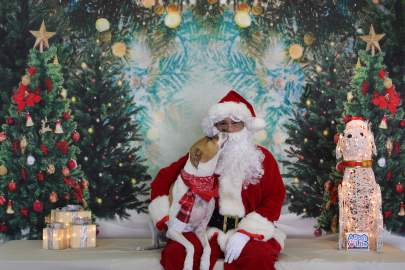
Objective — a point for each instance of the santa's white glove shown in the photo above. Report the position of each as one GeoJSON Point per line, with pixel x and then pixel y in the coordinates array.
{"type": "Point", "coordinates": [234, 246]}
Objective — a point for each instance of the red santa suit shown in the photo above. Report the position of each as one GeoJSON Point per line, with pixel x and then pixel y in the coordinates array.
{"type": "Point", "coordinates": [256, 203]}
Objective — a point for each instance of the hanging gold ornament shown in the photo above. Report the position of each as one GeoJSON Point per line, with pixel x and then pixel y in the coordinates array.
{"type": "Point", "coordinates": [119, 49]}
{"type": "Point", "coordinates": [53, 197]}
{"type": "Point", "coordinates": [25, 80]}
{"type": "Point", "coordinates": [349, 96]}
{"type": "Point", "coordinates": [63, 93]}
{"type": "Point", "coordinates": [56, 60]}
{"type": "Point", "coordinates": [42, 37]}
{"type": "Point", "coordinates": [148, 3]}
{"type": "Point", "coordinates": [389, 145]}
{"type": "Point", "coordinates": [401, 209]}
{"type": "Point", "coordinates": [372, 40]}
{"type": "Point", "coordinates": [23, 144]}
{"type": "Point", "coordinates": [296, 51]}
{"type": "Point", "coordinates": [384, 123]}
{"type": "Point", "coordinates": [358, 64]}
{"type": "Point", "coordinates": [105, 37]}
{"type": "Point", "coordinates": [211, 2]}
{"type": "Point", "coordinates": [28, 122]}
{"type": "Point", "coordinates": [257, 8]}
{"type": "Point", "coordinates": [159, 9]}
{"type": "Point", "coordinates": [58, 127]}
{"type": "Point", "coordinates": [387, 83]}
{"type": "Point", "coordinates": [51, 169]}
{"type": "Point", "coordinates": [10, 209]}
{"type": "Point", "coordinates": [309, 39]}
{"type": "Point", "coordinates": [3, 170]}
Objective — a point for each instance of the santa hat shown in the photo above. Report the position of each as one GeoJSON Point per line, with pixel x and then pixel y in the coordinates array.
{"type": "Point", "coordinates": [236, 107]}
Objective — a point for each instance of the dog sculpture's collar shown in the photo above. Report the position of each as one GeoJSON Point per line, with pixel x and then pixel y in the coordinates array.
{"type": "Point", "coordinates": [353, 163]}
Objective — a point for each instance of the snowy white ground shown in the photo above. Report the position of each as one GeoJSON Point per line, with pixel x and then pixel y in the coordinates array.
{"type": "Point", "coordinates": [295, 226]}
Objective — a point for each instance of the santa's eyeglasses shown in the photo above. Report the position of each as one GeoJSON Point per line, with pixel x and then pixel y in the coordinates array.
{"type": "Point", "coordinates": [225, 125]}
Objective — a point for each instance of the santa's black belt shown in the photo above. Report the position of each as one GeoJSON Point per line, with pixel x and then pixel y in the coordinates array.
{"type": "Point", "coordinates": [223, 222]}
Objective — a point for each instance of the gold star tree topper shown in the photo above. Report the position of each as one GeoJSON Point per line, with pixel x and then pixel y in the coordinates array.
{"type": "Point", "coordinates": [42, 37]}
{"type": "Point", "coordinates": [372, 40]}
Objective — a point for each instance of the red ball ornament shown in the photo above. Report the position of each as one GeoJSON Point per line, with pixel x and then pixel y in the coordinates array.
{"type": "Point", "coordinates": [37, 206]}
{"type": "Point", "coordinates": [72, 164]}
{"type": "Point", "coordinates": [3, 228]}
{"type": "Point", "coordinates": [388, 175]}
{"type": "Point", "coordinates": [402, 123]}
{"type": "Point", "coordinates": [3, 200]}
{"type": "Point", "coordinates": [48, 85]}
{"type": "Point", "coordinates": [387, 213]}
{"type": "Point", "coordinates": [399, 188]}
{"type": "Point", "coordinates": [44, 149]}
{"type": "Point", "coordinates": [31, 71]}
{"type": "Point", "coordinates": [23, 174]}
{"type": "Point", "coordinates": [318, 232]}
{"type": "Point", "coordinates": [65, 171]}
{"type": "Point", "coordinates": [40, 177]}
{"type": "Point", "coordinates": [75, 136]}
{"type": "Point", "coordinates": [66, 116]}
{"type": "Point", "coordinates": [381, 74]}
{"type": "Point", "coordinates": [85, 184]}
{"type": "Point", "coordinates": [3, 136]}
{"type": "Point", "coordinates": [365, 86]}
{"type": "Point", "coordinates": [10, 121]}
{"type": "Point", "coordinates": [63, 147]}
{"type": "Point", "coordinates": [12, 186]}
{"type": "Point", "coordinates": [24, 212]}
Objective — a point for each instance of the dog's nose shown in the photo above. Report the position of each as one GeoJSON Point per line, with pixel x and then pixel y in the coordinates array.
{"type": "Point", "coordinates": [349, 136]}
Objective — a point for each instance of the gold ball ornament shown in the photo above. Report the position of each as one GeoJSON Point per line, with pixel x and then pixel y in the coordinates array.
{"type": "Point", "coordinates": [102, 25]}
{"type": "Point", "coordinates": [318, 68]}
{"type": "Point", "coordinates": [119, 49]}
{"type": "Point", "coordinates": [148, 3]}
{"type": "Point", "coordinates": [99, 200]}
{"type": "Point", "coordinates": [308, 102]}
{"type": "Point", "coordinates": [173, 17]}
{"type": "Point", "coordinates": [83, 65]}
{"type": "Point", "coordinates": [73, 99]}
{"type": "Point", "coordinates": [159, 9]}
{"type": "Point", "coordinates": [25, 80]}
{"type": "Point", "coordinates": [105, 36]}
{"type": "Point", "coordinates": [3, 170]}
{"type": "Point", "coordinates": [325, 132]}
{"type": "Point", "coordinates": [133, 181]}
{"type": "Point", "coordinates": [296, 51]}
{"type": "Point", "coordinates": [90, 130]}
{"type": "Point", "coordinates": [257, 10]}
{"type": "Point", "coordinates": [387, 83]}
{"type": "Point", "coordinates": [305, 140]}
{"type": "Point", "coordinates": [309, 39]}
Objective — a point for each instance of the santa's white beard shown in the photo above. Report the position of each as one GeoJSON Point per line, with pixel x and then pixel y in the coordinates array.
{"type": "Point", "coordinates": [240, 159]}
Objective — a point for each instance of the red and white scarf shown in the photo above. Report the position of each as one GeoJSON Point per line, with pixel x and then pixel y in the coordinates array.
{"type": "Point", "coordinates": [204, 186]}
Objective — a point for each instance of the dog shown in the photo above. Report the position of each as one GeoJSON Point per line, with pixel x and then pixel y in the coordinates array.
{"type": "Point", "coordinates": [199, 169]}
{"type": "Point", "coordinates": [359, 194]}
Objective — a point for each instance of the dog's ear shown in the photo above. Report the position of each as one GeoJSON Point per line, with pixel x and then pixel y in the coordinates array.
{"type": "Point", "coordinates": [339, 150]}
{"type": "Point", "coordinates": [371, 139]}
{"type": "Point", "coordinates": [195, 156]}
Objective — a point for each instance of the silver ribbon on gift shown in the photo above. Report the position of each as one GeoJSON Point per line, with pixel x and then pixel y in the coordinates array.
{"type": "Point", "coordinates": [51, 230]}
{"type": "Point", "coordinates": [83, 236]}
{"type": "Point", "coordinates": [81, 220]}
{"type": "Point", "coordinates": [72, 207]}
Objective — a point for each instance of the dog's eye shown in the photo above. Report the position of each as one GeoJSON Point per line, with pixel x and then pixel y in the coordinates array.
{"type": "Point", "coordinates": [361, 133]}
{"type": "Point", "coordinates": [349, 136]}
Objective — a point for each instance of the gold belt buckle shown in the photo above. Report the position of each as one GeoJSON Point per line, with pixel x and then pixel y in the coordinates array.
{"type": "Point", "coordinates": [225, 224]}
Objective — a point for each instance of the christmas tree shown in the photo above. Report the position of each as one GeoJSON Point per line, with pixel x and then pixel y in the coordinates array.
{"type": "Point", "coordinates": [313, 128]}
{"type": "Point", "coordinates": [105, 111]}
{"type": "Point", "coordinates": [376, 99]}
{"type": "Point", "coordinates": [38, 168]}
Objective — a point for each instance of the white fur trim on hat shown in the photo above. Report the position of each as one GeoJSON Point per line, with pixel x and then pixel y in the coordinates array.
{"type": "Point", "coordinates": [159, 208]}
{"type": "Point", "coordinates": [237, 111]}
{"type": "Point", "coordinates": [257, 224]}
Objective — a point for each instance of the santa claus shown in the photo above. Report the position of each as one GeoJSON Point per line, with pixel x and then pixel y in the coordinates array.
{"type": "Point", "coordinates": [251, 193]}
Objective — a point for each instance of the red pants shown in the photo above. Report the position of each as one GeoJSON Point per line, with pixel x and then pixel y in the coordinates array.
{"type": "Point", "coordinates": [255, 255]}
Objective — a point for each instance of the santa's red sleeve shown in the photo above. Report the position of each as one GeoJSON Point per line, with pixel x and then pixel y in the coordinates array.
{"type": "Point", "coordinates": [160, 187]}
{"type": "Point", "coordinates": [259, 223]}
